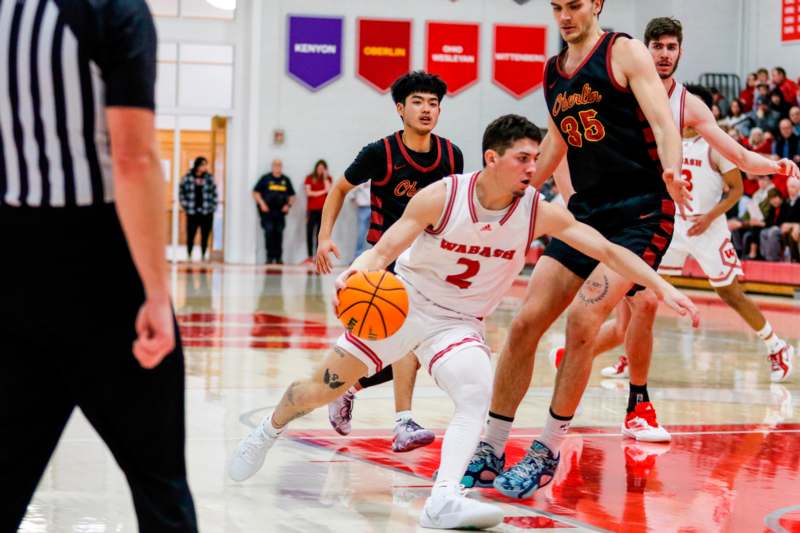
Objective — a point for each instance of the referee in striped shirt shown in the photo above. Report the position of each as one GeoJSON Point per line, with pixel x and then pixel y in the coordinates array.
{"type": "Point", "coordinates": [85, 313]}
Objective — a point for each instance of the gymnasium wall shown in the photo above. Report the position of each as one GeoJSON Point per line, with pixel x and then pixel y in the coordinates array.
{"type": "Point", "coordinates": [335, 122]}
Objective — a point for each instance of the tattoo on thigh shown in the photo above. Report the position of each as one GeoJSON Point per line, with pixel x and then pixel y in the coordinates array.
{"type": "Point", "coordinates": [593, 290]}
{"type": "Point", "coordinates": [332, 380]}
{"type": "Point", "coordinates": [290, 394]}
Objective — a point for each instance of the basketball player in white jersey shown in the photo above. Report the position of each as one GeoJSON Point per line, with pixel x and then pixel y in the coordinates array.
{"type": "Point", "coordinates": [664, 39]}
{"type": "Point", "coordinates": [461, 243]}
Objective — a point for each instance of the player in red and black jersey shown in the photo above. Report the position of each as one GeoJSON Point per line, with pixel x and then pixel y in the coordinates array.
{"type": "Point", "coordinates": [610, 116]}
{"type": "Point", "coordinates": [397, 167]}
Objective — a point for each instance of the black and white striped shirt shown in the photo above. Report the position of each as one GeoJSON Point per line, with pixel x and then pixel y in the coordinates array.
{"type": "Point", "coordinates": [62, 62]}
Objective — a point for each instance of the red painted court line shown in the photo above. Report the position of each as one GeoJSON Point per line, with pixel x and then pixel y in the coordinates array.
{"type": "Point", "coordinates": [710, 481]}
{"type": "Point", "coordinates": [245, 318]}
{"type": "Point", "coordinates": [269, 345]}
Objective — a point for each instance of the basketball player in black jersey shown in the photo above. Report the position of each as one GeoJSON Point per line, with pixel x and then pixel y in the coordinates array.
{"type": "Point", "coordinates": [397, 167]}
{"type": "Point", "coordinates": [610, 116]}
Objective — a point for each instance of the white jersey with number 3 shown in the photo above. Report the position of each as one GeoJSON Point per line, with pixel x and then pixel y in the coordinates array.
{"type": "Point", "coordinates": [467, 263]}
{"type": "Point", "coordinates": [704, 177]}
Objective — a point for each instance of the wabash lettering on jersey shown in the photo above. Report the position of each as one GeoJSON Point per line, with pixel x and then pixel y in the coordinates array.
{"type": "Point", "coordinates": [612, 151]}
{"type": "Point", "coordinates": [397, 173]}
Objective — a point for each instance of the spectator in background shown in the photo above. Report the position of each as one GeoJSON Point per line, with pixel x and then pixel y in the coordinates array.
{"type": "Point", "coordinates": [717, 112]}
{"type": "Point", "coordinates": [790, 226]}
{"type": "Point", "coordinates": [778, 104]}
{"type": "Point", "coordinates": [770, 235]}
{"type": "Point", "coordinates": [748, 95]}
{"type": "Point", "coordinates": [794, 117]}
{"type": "Point", "coordinates": [746, 231]}
{"type": "Point", "coordinates": [318, 183]}
{"type": "Point", "coordinates": [762, 76]}
{"type": "Point", "coordinates": [720, 101]}
{"type": "Point", "coordinates": [787, 87]}
{"type": "Point", "coordinates": [762, 89]}
{"type": "Point", "coordinates": [361, 197]}
{"type": "Point", "coordinates": [763, 117]}
{"type": "Point", "coordinates": [274, 195]}
{"type": "Point", "coordinates": [736, 117]}
{"type": "Point", "coordinates": [760, 142]}
{"type": "Point", "coordinates": [198, 198]}
{"type": "Point", "coordinates": [787, 144]}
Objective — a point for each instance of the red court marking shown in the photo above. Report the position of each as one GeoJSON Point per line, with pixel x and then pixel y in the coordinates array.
{"type": "Point", "coordinates": [710, 481]}
{"type": "Point", "coordinates": [535, 522]}
{"type": "Point", "coordinates": [269, 345]}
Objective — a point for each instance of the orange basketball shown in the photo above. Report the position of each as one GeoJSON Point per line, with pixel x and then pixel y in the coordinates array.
{"type": "Point", "coordinates": [373, 305]}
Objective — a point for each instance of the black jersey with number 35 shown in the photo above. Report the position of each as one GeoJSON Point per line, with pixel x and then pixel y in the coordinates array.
{"type": "Point", "coordinates": [612, 152]}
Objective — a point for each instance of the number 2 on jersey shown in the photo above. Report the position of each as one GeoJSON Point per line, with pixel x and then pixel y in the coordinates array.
{"type": "Point", "coordinates": [460, 280]}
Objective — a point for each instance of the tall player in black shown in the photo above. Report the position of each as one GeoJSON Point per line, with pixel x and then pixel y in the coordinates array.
{"type": "Point", "coordinates": [396, 166]}
{"type": "Point", "coordinates": [609, 114]}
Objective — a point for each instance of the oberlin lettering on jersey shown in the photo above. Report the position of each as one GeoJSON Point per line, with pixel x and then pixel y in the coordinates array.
{"type": "Point", "coordinates": [565, 102]}
{"type": "Point", "coordinates": [483, 251]}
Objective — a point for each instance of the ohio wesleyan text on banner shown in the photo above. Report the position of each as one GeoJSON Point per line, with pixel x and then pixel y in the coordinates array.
{"type": "Point", "coordinates": [452, 53]}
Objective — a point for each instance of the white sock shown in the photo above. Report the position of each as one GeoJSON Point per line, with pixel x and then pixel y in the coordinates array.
{"type": "Point", "coordinates": [402, 416]}
{"type": "Point", "coordinates": [268, 429]}
{"type": "Point", "coordinates": [496, 432]}
{"type": "Point", "coordinates": [554, 433]}
{"type": "Point", "coordinates": [770, 338]}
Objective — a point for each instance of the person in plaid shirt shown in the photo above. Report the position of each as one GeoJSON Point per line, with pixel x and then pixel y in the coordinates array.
{"type": "Point", "coordinates": [198, 197]}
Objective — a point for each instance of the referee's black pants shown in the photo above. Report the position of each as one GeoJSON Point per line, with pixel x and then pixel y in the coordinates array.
{"type": "Point", "coordinates": [69, 295]}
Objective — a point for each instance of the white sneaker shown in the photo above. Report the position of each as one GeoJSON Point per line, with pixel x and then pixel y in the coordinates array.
{"type": "Point", "coordinates": [643, 426]}
{"type": "Point", "coordinates": [617, 370]}
{"type": "Point", "coordinates": [453, 510]}
{"type": "Point", "coordinates": [249, 455]}
{"type": "Point", "coordinates": [782, 363]}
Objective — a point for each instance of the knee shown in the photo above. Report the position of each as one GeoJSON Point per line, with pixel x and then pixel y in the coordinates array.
{"type": "Point", "coordinates": [645, 303]}
{"type": "Point", "coordinates": [729, 295]}
{"type": "Point", "coordinates": [526, 327]}
{"type": "Point", "coordinates": [583, 325]}
{"type": "Point", "coordinates": [473, 399]}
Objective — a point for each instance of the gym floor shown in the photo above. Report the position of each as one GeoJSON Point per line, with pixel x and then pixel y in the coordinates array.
{"type": "Point", "coordinates": [733, 464]}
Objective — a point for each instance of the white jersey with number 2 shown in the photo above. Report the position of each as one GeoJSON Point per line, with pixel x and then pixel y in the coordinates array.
{"type": "Point", "coordinates": [470, 259]}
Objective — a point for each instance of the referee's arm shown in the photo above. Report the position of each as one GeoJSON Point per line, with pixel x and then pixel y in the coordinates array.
{"type": "Point", "coordinates": [128, 69]}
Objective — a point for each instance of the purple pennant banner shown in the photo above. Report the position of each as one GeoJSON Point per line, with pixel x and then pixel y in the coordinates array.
{"type": "Point", "coordinates": [315, 50]}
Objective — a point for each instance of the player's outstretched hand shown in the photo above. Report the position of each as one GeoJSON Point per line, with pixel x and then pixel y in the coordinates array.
{"type": "Point", "coordinates": [155, 332]}
{"type": "Point", "coordinates": [678, 189]}
{"type": "Point", "coordinates": [339, 284]}
{"type": "Point", "coordinates": [323, 259]}
{"type": "Point", "coordinates": [787, 167]}
{"type": "Point", "coordinates": [681, 304]}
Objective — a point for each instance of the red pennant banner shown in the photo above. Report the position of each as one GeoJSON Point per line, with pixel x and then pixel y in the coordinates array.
{"type": "Point", "coordinates": [453, 53]}
{"type": "Point", "coordinates": [520, 53]}
{"type": "Point", "coordinates": [790, 21]}
{"type": "Point", "coordinates": [384, 51]}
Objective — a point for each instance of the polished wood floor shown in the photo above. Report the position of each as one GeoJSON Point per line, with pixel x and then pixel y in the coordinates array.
{"type": "Point", "coordinates": [734, 463]}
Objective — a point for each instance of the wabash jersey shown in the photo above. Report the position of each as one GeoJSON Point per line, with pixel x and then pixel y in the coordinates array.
{"type": "Point", "coordinates": [469, 260]}
{"type": "Point", "coordinates": [612, 152]}
{"type": "Point", "coordinates": [397, 174]}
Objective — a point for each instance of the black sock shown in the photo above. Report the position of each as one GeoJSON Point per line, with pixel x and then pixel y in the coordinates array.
{"type": "Point", "coordinates": [638, 394]}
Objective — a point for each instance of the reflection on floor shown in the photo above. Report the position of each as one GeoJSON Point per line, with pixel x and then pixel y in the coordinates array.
{"type": "Point", "coordinates": [734, 463]}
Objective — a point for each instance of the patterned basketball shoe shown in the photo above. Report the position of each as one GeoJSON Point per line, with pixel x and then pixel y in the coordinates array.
{"type": "Point", "coordinates": [534, 471]}
{"type": "Point", "coordinates": [408, 435]}
{"type": "Point", "coordinates": [782, 363]}
{"type": "Point", "coordinates": [451, 509]}
{"type": "Point", "coordinates": [340, 413]}
{"type": "Point", "coordinates": [642, 425]}
{"type": "Point", "coordinates": [483, 468]}
{"type": "Point", "coordinates": [249, 455]}
{"type": "Point", "coordinates": [617, 370]}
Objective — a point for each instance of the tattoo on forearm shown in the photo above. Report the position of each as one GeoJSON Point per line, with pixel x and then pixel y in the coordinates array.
{"type": "Point", "coordinates": [594, 291]}
{"type": "Point", "coordinates": [332, 380]}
